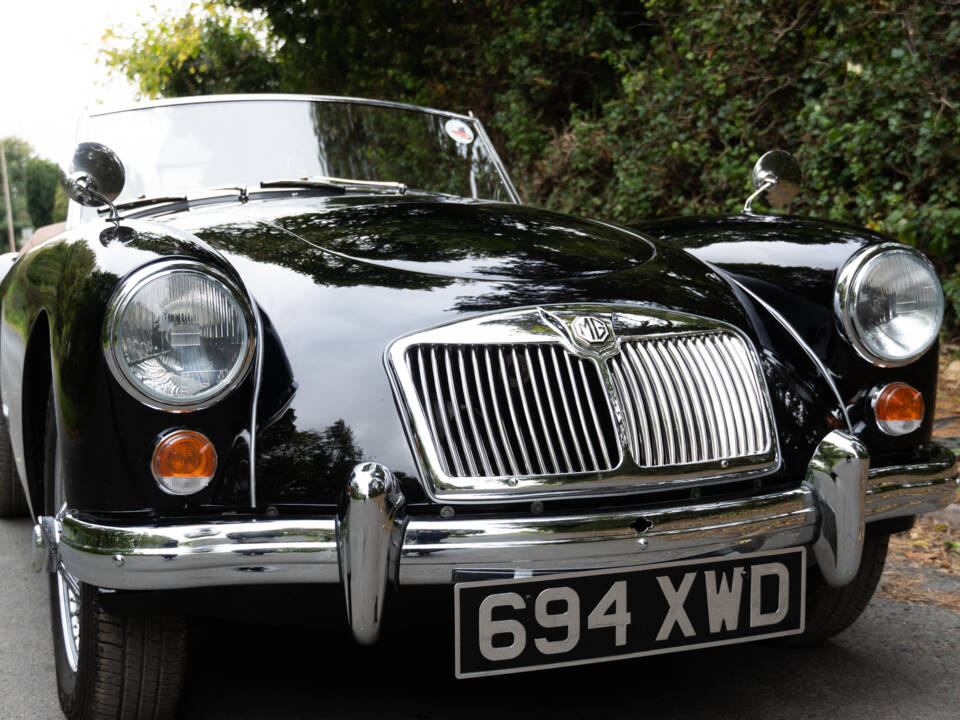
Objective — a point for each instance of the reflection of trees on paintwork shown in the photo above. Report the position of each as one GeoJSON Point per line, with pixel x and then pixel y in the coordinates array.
{"type": "Point", "coordinates": [425, 238]}
{"type": "Point", "coordinates": [297, 465]}
{"type": "Point", "coordinates": [679, 283]}
{"type": "Point", "coordinates": [61, 278]}
{"type": "Point", "coordinates": [271, 246]}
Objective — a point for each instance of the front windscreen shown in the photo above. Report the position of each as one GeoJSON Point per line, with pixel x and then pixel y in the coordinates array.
{"type": "Point", "coordinates": [174, 149]}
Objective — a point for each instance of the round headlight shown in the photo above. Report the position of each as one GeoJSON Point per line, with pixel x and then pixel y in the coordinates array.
{"type": "Point", "coordinates": [179, 335]}
{"type": "Point", "coordinates": [890, 303]}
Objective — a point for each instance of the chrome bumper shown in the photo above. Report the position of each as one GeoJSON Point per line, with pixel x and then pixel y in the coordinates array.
{"type": "Point", "coordinates": [372, 543]}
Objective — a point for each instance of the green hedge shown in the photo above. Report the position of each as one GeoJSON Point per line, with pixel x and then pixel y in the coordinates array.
{"type": "Point", "coordinates": [626, 110]}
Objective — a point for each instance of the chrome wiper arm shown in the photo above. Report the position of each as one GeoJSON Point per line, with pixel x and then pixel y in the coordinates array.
{"type": "Point", "coordinates": [143, 202]}
{"type": "Point", "coordinates": [188, 197]}
{"type": "Point", "coordinates": [335, 183]}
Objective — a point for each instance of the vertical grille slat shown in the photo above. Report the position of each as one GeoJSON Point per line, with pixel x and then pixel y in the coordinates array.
{"type": "Point", "coordinates": [718, 408]}
{"type": "Point", "coordinates": [666, 381]}
{"type": "Point", "coordinates": [740, 390]}
{"type": "Point", "coordinates": [566, 407]}
{"type": "Point", "coordinates": [681, 388]}
{"type": "Point", "coordinates": [438, 394]}
{"type": "Point", "coordinates": [542, 466]}
{"type": "Point", "coordinates": [692, 393]}
{"type": "Point", "coordinates": [482, 401]}
{"type": "Point", "coordinates": [596, 419]}
{"type": "Point", "coordinates": [653, 454]}
{"type": "Point", "coordinates": [429, 404]}
{"type": "Point", "coordinates": [544, 430]}
{"type": "Point", "coordinates": [514, 410]}
{"type": "Point", "coordinates": [492, 389]}
{"type": "Point", "coordinates": [528, 466]}
{"type": "Point", "coordinates": [457, 416]}
{"type": "Point", "coordinates": [669, 442]}
{"type": "Point", "coordinates": [545, 374]}
{"type": "Point", "coordinates": [736, 429]}
{"type": "Point", "coordinates": [752, 393]}
{"type": "Point", "coordinates": [534, 409]}
{"type": "Point", "coordinates": [583, 420]}
{"type": "Point", "coordinates": [481, 444]}
{"type": "Point", "coordinates": [702, 398]}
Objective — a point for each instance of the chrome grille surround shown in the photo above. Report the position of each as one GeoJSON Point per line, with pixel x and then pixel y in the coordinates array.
{"type": "Point", "coordinates": [516, 405]}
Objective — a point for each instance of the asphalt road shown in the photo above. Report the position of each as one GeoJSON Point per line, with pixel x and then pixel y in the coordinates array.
{"type": "Point", "coordinates": [897, 661]}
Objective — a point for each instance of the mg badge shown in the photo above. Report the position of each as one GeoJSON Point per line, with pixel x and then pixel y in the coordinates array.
{"type": "Point", "coordinates": [590, 330]}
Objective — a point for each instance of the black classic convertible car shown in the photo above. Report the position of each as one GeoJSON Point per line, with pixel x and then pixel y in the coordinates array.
{"type": "Point", "coordinates": [303, 343]}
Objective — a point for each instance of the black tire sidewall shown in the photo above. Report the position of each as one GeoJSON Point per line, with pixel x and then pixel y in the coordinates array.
{"type": "Point", "coordinates": [69, 682]}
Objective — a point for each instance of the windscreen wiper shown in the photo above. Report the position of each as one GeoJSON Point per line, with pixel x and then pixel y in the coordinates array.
{"type": "Point", "coordinates": [342, 184]}
{"type": "Point", "coordinates": [189, 197]}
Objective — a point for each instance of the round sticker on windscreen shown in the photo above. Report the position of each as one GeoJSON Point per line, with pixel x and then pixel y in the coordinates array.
{"type": "Point", "coordinates": [459, 131]}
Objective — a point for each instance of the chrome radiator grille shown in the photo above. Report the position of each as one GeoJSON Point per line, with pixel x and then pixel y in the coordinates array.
{"type": "Point", "coordinates": [691, 399]}
{"type": "Point", "coordinates": [514, 410]}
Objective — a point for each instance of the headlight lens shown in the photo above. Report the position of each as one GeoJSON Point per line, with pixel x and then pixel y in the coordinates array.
{"type": "Point", "coordinates": [890, 303]}
{"type": "Point", "coordinates": [180, 336]}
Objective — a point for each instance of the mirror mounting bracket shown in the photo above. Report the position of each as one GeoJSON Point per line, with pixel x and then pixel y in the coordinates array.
{"type": "Point", "coordinates": [777, 176]}
{"type": "Point", "coordinates": [84, 186]}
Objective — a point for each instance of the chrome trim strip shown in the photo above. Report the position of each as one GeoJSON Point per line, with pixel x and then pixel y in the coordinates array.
{"type": "Point", "coordinates": [297, 550]}
{"type": "Point", "coordinates": [495, 156]}
{"type": "Point", "coordinates": [291, 97]}
{"type": "Point", "coordinates": [254, 403]}
{"type": "Point", "coordinates": [620, 379]}
{"type": "Point", "coordinates": [814, 358]}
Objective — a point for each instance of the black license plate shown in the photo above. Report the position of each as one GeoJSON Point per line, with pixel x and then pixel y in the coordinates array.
{"type": "Point", "coordinates": [532, 623]}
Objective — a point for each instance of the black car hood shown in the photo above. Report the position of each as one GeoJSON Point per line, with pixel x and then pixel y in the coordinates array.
{"type": "Point", "coordinates": [456, 238]}
{"type": "Point", "coordinates": [338, 280]}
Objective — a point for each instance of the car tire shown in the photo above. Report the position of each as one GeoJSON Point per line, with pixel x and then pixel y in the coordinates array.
{"type": "Point", "coordinates": [13, 502]}
{"type": "Point", "coordinates": [122, 667]}
{"type": "Point", "coordinates": [832, 610]}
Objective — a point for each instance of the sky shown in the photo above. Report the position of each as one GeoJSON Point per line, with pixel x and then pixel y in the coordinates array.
{"type": "Point", "coordinates": [48, 68]}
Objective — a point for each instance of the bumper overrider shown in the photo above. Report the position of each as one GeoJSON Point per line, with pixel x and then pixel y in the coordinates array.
{"type": "Point", "coordinates": [372, 543]}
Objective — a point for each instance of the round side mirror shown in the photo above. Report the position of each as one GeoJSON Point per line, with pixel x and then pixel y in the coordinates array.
{"type": "Point", "coordinates": [95, 176]}
{"type": "Point", "coordinates": [777, 173]}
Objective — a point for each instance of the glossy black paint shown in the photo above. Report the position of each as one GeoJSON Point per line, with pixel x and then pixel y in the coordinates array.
{"type": "Point", "coordinates": [336, 279]}
{"type": "Point", "coordinates": [793, 263]}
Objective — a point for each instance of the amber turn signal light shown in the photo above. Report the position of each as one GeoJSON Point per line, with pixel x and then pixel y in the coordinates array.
{"type": "Point", "coordinates": [184, 462]}
{"type": "Point", "coordinates": [898, 408]}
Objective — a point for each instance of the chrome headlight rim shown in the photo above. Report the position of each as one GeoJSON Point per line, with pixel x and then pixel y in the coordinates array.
{"type": "Point", "coordinates": [128, 289]}
{"type": "Point", "coordinates": [845, 300]}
